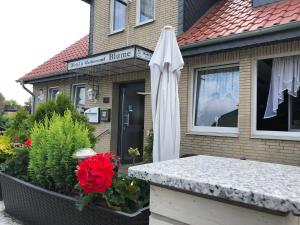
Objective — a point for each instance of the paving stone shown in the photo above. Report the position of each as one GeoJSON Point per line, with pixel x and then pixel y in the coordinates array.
{"type": "Point", "coordinates": [5, 219]}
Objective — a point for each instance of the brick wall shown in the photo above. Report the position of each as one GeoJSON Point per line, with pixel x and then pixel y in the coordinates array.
{"type": "Point", "coordinates": [166, 13]}
{"type": "Point", "coordinates": [280, 151]}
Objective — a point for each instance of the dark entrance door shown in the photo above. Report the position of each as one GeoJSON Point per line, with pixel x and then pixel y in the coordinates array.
{"type": "Point", "coordinates": [131, 120]}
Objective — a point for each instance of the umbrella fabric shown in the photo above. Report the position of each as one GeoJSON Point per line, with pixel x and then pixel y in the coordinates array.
{"type": "Point", "coordinates": [165, 66]}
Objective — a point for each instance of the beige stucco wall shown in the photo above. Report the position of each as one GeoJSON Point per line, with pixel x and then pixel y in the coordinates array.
{"type": "Point", "coordinates": [281, 151]}
{"type": "Point", "coordinates": [105, 90]}
{"type": "Point", "coordinates": [166, 13]}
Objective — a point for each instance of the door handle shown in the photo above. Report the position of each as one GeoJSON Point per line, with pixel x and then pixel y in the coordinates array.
{"type": "Point", "coordinates": [126, 120]}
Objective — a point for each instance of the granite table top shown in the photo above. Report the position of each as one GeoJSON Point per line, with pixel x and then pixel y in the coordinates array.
{"type": "Point", "coordinates": [270, 186]}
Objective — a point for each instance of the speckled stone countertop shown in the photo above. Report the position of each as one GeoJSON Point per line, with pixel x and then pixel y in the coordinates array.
{"type": "Point", "coordinates": [270, 186]}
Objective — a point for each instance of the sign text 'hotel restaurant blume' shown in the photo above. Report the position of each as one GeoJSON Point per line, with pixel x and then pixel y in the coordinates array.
{"type": "Point", "coordinates": [118, 55]}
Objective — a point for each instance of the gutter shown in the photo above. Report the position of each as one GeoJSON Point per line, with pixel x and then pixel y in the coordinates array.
{"type": "Point", "coordinates": [30, 92]}
{"type": "Point", "coordinates": [258, 32]}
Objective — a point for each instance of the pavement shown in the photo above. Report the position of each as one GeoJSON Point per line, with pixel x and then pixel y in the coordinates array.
{"type": "Point", "coordinates": [5, 219]}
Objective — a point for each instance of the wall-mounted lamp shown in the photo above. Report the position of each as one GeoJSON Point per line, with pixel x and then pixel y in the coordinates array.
{"type": "Point", "coordinates": [93, 92]}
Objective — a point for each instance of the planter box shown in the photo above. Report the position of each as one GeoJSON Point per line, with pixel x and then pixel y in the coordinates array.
{"type": "Point", "coordinates": [37, 206]}
{"type": "Point", "coordinates": [1, 193]}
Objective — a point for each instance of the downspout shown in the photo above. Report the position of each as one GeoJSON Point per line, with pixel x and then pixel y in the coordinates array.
{"type": "Point", "coordinates": [30, 92]}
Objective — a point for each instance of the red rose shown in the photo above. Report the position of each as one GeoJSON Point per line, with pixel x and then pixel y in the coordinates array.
{"type": "Point", "coordinates": [28, 143]}
{"type": "Point", "coordinates": [95, 174]}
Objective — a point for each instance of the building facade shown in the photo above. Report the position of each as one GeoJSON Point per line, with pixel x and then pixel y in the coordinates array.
{"type": "Point", "coordinates": [230, 48]}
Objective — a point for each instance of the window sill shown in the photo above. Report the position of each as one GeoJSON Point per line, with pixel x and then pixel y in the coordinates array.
{"type": "Point", "coordinates": [116, 32]}
{"type": "Point", "coordinates": [144, 23]}
{"type": "Point", "coordinates": [276, 135]}
{"type": "Point", "coordinates": [216, 134]}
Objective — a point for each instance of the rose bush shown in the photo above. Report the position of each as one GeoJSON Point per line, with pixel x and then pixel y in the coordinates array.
{"type": "Point", "coordinates": [95, 174]}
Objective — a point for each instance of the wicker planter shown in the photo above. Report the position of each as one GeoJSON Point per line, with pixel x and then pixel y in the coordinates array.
{"type": "Point", "coordinates": [37, 206]}
{"type": "Point", "coordinates": [1, 193]}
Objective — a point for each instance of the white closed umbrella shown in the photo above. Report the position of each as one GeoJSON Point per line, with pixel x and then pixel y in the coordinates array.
{"type": "Point", "coordinates": [165, 66]}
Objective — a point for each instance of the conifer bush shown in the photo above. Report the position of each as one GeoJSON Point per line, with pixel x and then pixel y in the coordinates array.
{"type": "Point", "coordinates": [19, 126]}
{"type": "Point", "coordinates": [59, 106]}
{"type": "Point", "coordinates": [54, 141]}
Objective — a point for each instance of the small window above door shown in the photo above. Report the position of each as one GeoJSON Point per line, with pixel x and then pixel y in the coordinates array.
{"type": "Point", "coordinates": [145, 11]}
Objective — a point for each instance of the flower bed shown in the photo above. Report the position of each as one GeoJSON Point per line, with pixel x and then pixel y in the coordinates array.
{"type": "Point", "coordinates": [35, 205]}
{"type": "Point", "coordinates": [43, 171]}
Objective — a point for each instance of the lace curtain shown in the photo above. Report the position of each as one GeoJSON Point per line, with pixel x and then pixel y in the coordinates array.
{"type": "Point", "coordinates": [218, 94]}
{"type": "Point", "coordinates": [285, 76]}
{"type": "Point", "coordinates": [119, 15]}
{"type": "Point", "coordinates": [147, 10]}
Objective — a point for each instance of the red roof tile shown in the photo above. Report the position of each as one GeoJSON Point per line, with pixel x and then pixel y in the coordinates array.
{"type": "Point", "coordinates": [57, 64]}
{"type": "Point", "coordinates": [237, 16]}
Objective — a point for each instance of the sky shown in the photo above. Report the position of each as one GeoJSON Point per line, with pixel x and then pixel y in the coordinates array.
{"type": "Point", "coordinates": [31, 32]}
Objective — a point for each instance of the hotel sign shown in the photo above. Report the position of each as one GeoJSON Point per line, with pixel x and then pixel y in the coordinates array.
{"type": "Point", "coordinates": [113, 56]}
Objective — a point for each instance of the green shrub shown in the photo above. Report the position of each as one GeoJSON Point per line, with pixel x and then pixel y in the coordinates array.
{"type": "Point", "coordinates": [6, 150]}
{"type": "Point", "coordinates": [54, 141]}
{"type": "Point", "coordinates": [126, 194]}
{"type": "Point", "coordinates": [17, 164]}
{"type": "Point", "coordinates": [19, 126]}
{"type": "Point", "coordinates": [3, 121]}
{"type": "Point", "coordinates": [148, 149]}
{"type": "Point", "coordinates": [59, 106]}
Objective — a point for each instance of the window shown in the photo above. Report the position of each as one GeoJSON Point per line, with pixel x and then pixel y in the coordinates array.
{"type": "Point", "coordinates": [79, 95]}
{"type": "Point", "coordinates": [278, 95]}
{"type": "Point", "coordinates": [216, 100]}
{"type": "Point", "coordinates": [118, 15]}
{"type": "Point", "coordinates": [145, 11]}
{"type": "Point", "coordinates": [53, 93]}
{"type": "Point", "coordinates": [40, 95]}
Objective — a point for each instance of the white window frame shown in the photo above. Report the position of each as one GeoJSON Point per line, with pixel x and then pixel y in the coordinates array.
{"type": "Point", "coordinates": [74, 86]}
{"type": "Point", "coordinates": [138, 13]}
{"type": "Point", "coordinates": [261, 134]}
{"type": "Point", "coordinates": [112, 21]}
{"type": "Point", "coordinates": [49, 90]}
{"type": "Point", "coordinates": [203, 130]}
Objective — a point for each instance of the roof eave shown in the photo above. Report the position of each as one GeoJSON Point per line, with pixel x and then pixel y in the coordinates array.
{"type": "Point", "coordinates": [48, 77]}
{"type": "Point", "coordinates": [190, 49]}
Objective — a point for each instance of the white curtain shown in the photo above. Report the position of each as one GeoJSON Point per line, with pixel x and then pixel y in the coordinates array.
{"type": "Point", "coordinates": [147, 10]}
{"type": "Point", "coordinates": [218, 94]}
{"type": "Point", "coordinates": [285, 76]}
{"type": "Point", "coordinates": [119, 15]}
{"type": "Point", "coordinates": [81, 96]}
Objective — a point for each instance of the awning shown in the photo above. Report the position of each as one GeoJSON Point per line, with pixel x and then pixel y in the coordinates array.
{"type": "Point", "coordinates": [125, 60]}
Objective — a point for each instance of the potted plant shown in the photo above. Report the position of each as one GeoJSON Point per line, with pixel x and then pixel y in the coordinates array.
{"type": "Point", "coordinates": [55, 194]}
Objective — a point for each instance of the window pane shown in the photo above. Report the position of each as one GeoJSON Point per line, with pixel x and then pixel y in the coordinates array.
{"type": "Point", "coordinates": [53, 93]}
{"type": "Point", "coordinates": [79, 96]}
{"type": "Point", "coordinates": [217, 98]}
{"type": "Point", "coordinates": [288, 113]}
{"type": "Point", "coordinates": [119, 15]}
{"type": "Point", "coordinates": [295, 113]}
{"type": "Point", "coordinates": [146, 10]}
